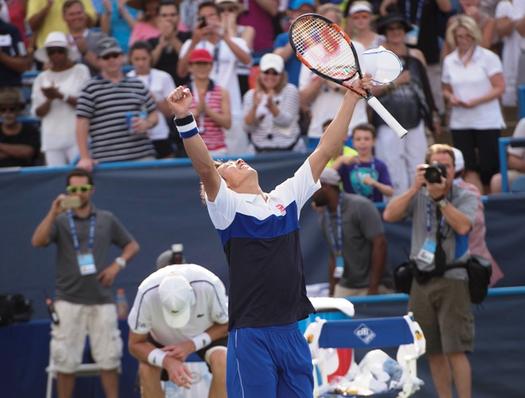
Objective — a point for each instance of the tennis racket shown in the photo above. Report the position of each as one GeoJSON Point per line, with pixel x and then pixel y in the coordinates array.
{"type": "Point", "coordinates": [327, 51]}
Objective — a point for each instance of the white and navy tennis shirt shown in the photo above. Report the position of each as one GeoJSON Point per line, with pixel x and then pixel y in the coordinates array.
{"type": "Point", "coordinates": [261, 241]}
{"type": "Point", "coordinates": [211, 304]}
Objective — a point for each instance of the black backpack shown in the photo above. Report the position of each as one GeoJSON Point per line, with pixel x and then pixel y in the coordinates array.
{"type": "Point", "coordinates": [14, 308]}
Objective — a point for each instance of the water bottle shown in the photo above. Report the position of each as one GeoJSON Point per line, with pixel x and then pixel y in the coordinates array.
{"type": "Point", "coordinates": [122, 304]}
{"type": "Point", "coordinates": [52, 313]}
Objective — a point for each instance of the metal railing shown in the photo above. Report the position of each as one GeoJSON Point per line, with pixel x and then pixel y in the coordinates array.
{"type": "Point", "coordinates": [503, 163]}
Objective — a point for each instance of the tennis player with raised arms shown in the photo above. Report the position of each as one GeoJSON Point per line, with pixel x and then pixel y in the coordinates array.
{"type": "Point", "coordinates": [267, 354]}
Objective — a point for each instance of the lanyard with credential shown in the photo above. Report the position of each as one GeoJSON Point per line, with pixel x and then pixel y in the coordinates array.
{"type": "Point", "coordinates": [429, 220]}
{"type": "Point", "coordinates": [336, 239]}
{"type": "Point", "coordinates": [74, 234]}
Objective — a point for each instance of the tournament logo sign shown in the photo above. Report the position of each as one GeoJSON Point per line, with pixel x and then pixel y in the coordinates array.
{"type": "Point", "coordinates": [365, 334]}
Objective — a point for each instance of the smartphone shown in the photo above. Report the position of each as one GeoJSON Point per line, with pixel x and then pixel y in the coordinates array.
{"type": "Point", "coordinates": [201, 22]}
{"type": "Point", "coordinates": [70, 202]}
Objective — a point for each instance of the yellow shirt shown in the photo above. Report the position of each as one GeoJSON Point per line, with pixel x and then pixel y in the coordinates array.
{"type": "Point", "coordinates": [53, 22]}
{"type": "Point", "coordinates": [347, 151]}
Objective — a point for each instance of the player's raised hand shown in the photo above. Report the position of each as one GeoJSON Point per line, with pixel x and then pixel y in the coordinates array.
{"type": "Point", "coordinates": [360, 86]}
{"type": "Point", "coordinates": [179, 101]}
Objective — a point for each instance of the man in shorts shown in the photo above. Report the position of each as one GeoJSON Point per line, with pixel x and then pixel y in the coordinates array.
{"type": "Point", "coordinates": [268, 356]}
{"type": "Point", "coordinates": [179, 309]}
{"type": "Point", "coordinates": [84, 235]}
{"type": "Point", "coordinates": [442, 217]}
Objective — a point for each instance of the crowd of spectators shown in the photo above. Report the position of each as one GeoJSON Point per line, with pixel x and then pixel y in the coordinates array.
{"type": "Point", "coordinates": [461, 72]}
{"type": "Point", "coordinates": [105, 68]}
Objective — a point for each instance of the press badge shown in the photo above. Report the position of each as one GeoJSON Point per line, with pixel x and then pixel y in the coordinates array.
{"type": "Point", "coordinates": [339, 266]}
{"type": "Point", "coordinates": [86, 262]}
{"type": "Point", "coordinates": [426, 254]}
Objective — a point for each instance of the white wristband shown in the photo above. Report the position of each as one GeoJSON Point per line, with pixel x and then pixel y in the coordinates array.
{"type": "Point", "coordinates": [156, 357]}
{"type": "Point", "coordinates": [201, 341]}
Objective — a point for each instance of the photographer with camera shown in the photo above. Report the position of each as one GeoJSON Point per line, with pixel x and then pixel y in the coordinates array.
{"type": "Point", "coordinates": [442, 217]}
{"type": "Point", "coordinates": [84, 303]}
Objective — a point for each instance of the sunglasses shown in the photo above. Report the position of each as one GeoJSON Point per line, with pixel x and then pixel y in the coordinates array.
{"type": "Point", "coordinates": [11, 109]}
{"type": "Point", "coordinates": [79, 188]}
{"type": "Point", "coordinates": [271, 72]}
{"type": "Point", "coordinates": [110, 56]}
{"type": "Point", "coordinates": [395, 27]}
{"type": "Point", "coordinates": [55, 50]}
{"type": "Point", "coordinates": [228, 9]}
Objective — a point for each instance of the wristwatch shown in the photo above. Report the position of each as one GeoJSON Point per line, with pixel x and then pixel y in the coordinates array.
{"type": "Point", "coordinates": [443, 202]}
{"type": "Point", "coordinates": [121, 262]}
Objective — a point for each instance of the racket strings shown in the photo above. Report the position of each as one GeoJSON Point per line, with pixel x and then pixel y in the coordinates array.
{"type": "Point", "coordinates": [324, 48]}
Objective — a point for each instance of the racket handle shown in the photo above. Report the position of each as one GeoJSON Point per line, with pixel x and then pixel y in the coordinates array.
{"type": "Point", "coordinates": [387, 116]}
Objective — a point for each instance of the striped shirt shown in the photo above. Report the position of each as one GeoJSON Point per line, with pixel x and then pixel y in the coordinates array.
{"type": "Point", "coordinates": [211, 132]}
{"type": "Point", "coordinates": [274, 132]}
{"type": "Point", "coordinates": [106, 105]}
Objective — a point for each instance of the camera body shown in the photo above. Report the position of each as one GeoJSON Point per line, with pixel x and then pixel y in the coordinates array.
{"type": "Point", "coordinates": [201, 22]}
{"type": "Point", "coordinates": [434, 172]}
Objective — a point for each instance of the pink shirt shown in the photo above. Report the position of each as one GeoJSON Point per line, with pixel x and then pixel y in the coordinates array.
{"type": "Point", "coordinates": [143, 31]}
{"type": "Point", "coordinates": [476, 239]}
{"type": "Point", "coordinates": [262, 22]}
{"type": "Point", "coordinates": [211, 132]}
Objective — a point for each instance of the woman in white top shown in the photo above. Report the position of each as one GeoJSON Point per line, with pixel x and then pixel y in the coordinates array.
{"type": "Point", "coordinates": [359, 25]}
{"type": "Point", "coordinates": [472, 86]}
{"type": "Point", "coordinates": [160, 84]}
{"type": "Point", "coordinates": [229, 11]}
{"type": "Point", "coordinates": [271, 110]}
{"type": "Point", "coordinates": [54, 98]}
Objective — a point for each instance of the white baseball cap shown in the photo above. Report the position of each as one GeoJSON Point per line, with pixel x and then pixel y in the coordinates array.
{"type": "Point", "coordinates": [176, 298]}
{"type": "Point", "coordinates": [459, 161]}
{"type": "Point", "coordinates": [271, 61]}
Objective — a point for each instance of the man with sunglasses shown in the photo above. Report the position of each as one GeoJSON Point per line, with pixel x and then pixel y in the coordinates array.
{"type": "Point", "coordinates": [19, 142]}
{"type": "Point", "coordinates": [115, 111]}
{"type": "Point", "coordinates": [84, 235]}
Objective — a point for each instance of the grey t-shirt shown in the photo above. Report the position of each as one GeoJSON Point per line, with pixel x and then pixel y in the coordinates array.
{"type": "Point", "coordinates": [361, 223]}
{"type": "Point", "coordinates": [424, 223]}
{"type": "Point", "coordinates": [70, 284]}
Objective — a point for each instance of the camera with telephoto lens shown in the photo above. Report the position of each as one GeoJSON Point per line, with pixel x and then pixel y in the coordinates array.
{"type": "Point", "coordinates": [434, 172]}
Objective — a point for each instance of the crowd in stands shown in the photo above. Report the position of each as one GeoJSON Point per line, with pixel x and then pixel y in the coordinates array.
{"type": "Point", "coordinates": [463, 62]}
{"type": "Point", "coordinates": [104, 70]}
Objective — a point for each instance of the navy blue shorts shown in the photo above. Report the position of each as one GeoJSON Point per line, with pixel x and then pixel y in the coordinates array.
{"type": "Point", "coordinates": [269, 362]}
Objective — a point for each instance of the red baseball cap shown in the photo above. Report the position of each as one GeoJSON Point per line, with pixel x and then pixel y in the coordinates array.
{"type": "Point", "coordinates": [200, 55]}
